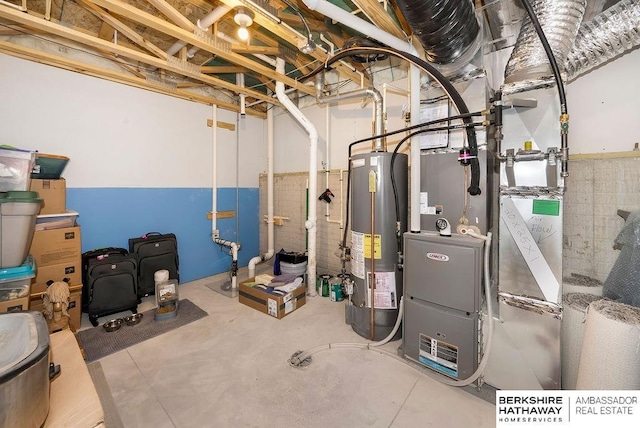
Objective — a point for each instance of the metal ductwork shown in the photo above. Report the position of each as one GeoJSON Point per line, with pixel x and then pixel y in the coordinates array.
{"type": "Point", "coordinates": [446, 28]}
{"type": "Point", "coordinates": [609, 34]}
{"type": "Point", "coordinates": [560, 21]}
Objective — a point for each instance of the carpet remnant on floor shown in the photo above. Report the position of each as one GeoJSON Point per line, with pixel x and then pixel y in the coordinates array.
{"type": "Point", "coordinates": [98, 343]}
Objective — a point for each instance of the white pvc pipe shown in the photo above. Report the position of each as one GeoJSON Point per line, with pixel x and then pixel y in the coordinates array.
{"type": "Point", "coordinates": [338, 14]}
{"type": "Point", "coordinates": [212, 17]}
{"type": "Point", "coordinates": [215, 234]}
{"type": "Point", "coordinates": [214, 178]}
{"type": "Point", "coordinates": [243, 104]}
{"type": "Point", "coordinates": [311, 222]}
{"type": "Point", "coordinates": [204, 24]}
{"type": "Point", "coordinates": [270, 234]}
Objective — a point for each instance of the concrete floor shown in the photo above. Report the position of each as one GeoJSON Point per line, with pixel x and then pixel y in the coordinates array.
{"type": "Point", "coordinates": [230, 369]}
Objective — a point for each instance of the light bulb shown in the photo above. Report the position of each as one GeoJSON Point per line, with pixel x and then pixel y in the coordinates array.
{"type": "Point", "coordinates": [243, 33]}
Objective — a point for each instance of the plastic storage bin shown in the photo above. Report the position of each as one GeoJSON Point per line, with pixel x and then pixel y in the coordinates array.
{"type": "Point", "coordinates": [18, 211]}
{"type": "Point", "coordinates": [15, 169]}
{"type": "Point", "coordinates": [15, 282]}
{"type": "Point", "coordinates": [49, 167]}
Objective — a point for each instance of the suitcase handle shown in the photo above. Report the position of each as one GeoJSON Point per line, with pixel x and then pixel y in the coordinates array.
{"type": "Point", "coordinates": [146, 235]}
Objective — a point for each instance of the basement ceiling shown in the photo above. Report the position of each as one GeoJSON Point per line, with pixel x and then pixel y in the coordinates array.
{"type": "Point", "coordinates": [158, 45]}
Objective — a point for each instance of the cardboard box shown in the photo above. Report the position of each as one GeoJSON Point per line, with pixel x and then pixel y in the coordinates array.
{"type": "Point", "coordinates": [53, 193]}
{"type": "Point", "coordinates": [56, 246]}
{"type": "Point", "coordinates": [71, 269]}
{"type": "Point", "coordinates": [75, 305]}
{"type": "Point", "coordinates": [14, 305]}
{"type": "Point", "coordinates": [271, 304]}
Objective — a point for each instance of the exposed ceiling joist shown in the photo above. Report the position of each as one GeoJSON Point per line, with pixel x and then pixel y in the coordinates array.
{"type": "Point", "coordinates": [380, 17]}
{"type": "Point", "coordinates": [174, 65]}
{"type": "Point", "coordinates": [295, 38]}
{"type": "Point", "coordinates": [173, 14]}
{"type": "Point", "coordinates": [209, 45]}
{"type": "Point", "coordinates": [119, 77]}
{"type": "Point", "coordinates": [124, 29]}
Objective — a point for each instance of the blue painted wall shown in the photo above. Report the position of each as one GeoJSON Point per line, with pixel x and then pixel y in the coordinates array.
{"type": "Point", "coordinates": [110, 216]}
{"type": "Point", "coordinates": [140, 161]}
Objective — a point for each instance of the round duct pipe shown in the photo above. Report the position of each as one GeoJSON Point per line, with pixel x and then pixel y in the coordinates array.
{"type": "Point", "coordinates": [560, 20]}
{"type": "Point", "coordinates": [446, 28]}
{"type": "Point", "coordinates": [609, 34]}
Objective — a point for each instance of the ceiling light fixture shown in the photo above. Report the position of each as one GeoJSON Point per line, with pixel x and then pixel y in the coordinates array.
{"type": "Point", "coordinates": [244, 18]}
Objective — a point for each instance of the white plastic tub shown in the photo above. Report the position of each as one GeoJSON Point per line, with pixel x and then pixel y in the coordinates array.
{"type": "Point", "coordinates": [18, 211]}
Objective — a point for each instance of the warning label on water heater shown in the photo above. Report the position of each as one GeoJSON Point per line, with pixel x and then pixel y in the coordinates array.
{"type": "Point", "coordinates": [361, 249]}
{"type": "Point", "coordinates": [384, 291]}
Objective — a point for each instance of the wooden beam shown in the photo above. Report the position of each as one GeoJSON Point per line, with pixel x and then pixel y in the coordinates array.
{"type": "Point", "coordinates": [115, 76]}
{"type": "Point", "coordinates": [248, 49]}
{"type": "Point", "coordinates": [223, 125]}
{"type": "Point", "coordinates": [221, 214]}
{"type": "Point", "coordinates": [123, 28]}
{"type": "Point", "coordinates": [106, 31]}
{"type": "Point", "coordinates": [380, 17]}
{"type": "Point", "coordinates": [47, 10]}
{"type": "Point", "coordinates": [403, 22]}
{"type": "Point", "coordinates": [171, 65]}
{"type": "Point", "coordinates": [295, 38]}
{"type": "Point", "coordinates": [266, 81]}
{"type": "Point", "coordinates": [221, 69]}
{"type": "Point", "coordinates": [121, 8]}
{"type": "Point", "coordinates": [173, 14]}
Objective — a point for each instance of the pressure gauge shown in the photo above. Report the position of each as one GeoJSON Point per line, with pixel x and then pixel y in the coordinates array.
{"type": "Point", "coordinates": [443, 226]}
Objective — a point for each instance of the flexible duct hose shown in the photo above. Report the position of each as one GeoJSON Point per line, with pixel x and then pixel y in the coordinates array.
{"type": "Point", "coordinates": [445, 28]}
{"type": "Point", "coordinates": [611, 33]}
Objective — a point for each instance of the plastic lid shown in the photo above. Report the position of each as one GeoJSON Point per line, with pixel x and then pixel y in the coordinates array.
{"type": "Point", "coordinates": [25, 270]}
{"type": "Point", "coordinates": [20, 196]}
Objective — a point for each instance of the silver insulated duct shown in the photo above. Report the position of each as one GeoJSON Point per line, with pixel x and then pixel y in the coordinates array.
{"type": "Point", "coordinates": [611, 33]}
{"type": "Point", "coordinates": [560, 20]}
{"type": "Point", "coordinates": [445, 28]}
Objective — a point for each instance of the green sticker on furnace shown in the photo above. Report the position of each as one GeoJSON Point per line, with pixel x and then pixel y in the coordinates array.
{"type": "Point", "coordinates": [546, 207]}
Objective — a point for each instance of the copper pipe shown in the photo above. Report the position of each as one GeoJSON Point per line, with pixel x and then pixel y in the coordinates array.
{"type": "Point", "coordinates": [372, 189]}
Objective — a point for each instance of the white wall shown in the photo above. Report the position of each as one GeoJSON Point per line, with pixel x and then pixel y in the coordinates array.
{"type": "Point", "coordinates": [604, 108]}
{"type": "Point", "coordinates": [56, 111]}
{"type": "Point", "coordinates": [349, 121]}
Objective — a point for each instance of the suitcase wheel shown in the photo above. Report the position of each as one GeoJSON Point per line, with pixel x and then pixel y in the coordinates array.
{"type": "Point", "coordinates": [94, 320]}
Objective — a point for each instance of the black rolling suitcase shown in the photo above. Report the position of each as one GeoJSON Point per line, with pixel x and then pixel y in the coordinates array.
{"type": "Point", "coordinates": [110, 281]}
{"type": "Point", "coordinates": [99, 253]}
{"type": "Point", "coordinates": [155, 252]}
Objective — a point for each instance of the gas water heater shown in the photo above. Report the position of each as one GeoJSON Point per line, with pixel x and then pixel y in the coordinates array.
{"type": "Point", "coordinates": [375, 242]}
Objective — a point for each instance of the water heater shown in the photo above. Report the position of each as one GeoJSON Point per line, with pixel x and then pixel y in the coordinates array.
{"type": "Point", "coordinates": [375, 241]}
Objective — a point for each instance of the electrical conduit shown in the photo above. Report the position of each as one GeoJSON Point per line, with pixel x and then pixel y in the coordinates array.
{"type": "Point", "coordinates": [215, 234]}
{"type": "Point", "coordinates": [311, 222]}
{"type": "Point", "coordinates": [270, 245]}
{"type": "Point", "coordinates": [338, 14]}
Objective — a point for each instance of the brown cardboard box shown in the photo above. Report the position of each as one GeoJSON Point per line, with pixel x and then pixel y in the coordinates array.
{"type": "Point", "coordinates": [71, 269]}
{"type": "Point", "coordinates": [75, 305]}
{"type": "Point", "coordinates": [271, 304]}
{"type": "Point", "coordinates": [53, 193]}
{"type": "Point", "coordinates": [56, 246]}
{"type": "Point", "coordinates": [14, 305]}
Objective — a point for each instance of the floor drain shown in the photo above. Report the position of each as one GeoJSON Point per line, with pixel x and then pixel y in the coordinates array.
{"type": "Point", "coordinates": [295, 361]}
